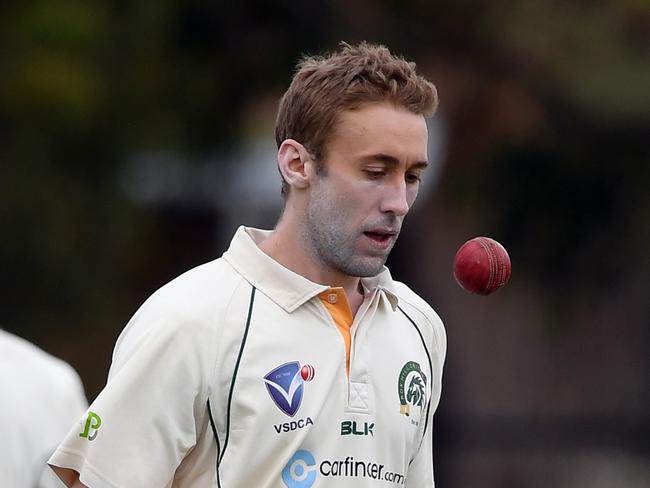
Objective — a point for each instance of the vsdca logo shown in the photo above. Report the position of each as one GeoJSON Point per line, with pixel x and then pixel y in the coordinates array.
{"type": "Point", "coordinates": [300, 471]}
{"type": "Point", "coordinates": [285, 384]}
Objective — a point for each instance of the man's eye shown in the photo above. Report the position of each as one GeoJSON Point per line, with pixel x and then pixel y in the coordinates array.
{"type": "Point", "coordinates": [413, 178]}
{"type": "Point", "coordinates": [374, 174]}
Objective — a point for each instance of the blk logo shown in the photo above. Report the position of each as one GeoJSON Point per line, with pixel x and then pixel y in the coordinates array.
{"type": "Point", "coordinates": [352, 427]}
{"type": "Point", "coordinates": [285, 384]}
{"type": "Point", "coordinates": [93, 423]}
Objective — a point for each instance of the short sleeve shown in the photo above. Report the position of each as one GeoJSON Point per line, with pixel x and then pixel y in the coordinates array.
{"type": "Point", "coordinates": [147, 418]}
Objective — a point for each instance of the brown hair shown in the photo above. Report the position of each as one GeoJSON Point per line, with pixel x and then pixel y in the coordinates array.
{"type": "Point", "coordinates": [324, 86]}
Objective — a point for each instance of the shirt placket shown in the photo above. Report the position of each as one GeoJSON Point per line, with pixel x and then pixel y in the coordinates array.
{"type": "Point", "coordinates": [359, 394]}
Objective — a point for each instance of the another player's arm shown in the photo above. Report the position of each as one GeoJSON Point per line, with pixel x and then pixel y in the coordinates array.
{"type": "Point", "coordinates": [69, 476]}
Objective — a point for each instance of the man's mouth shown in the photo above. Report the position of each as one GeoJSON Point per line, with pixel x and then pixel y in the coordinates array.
{"type": "Point", "coordinates": [381, 237]}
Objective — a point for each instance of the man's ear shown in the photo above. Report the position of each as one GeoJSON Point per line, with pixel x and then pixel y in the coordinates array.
{"type": "Point", "coordinates": [295, 164]}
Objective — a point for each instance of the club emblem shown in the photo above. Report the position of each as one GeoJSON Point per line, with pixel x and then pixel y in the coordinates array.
{"type": "Point", "coordinates": [411, 388]}
{"type": "Point", "coordinates": [285, 384]}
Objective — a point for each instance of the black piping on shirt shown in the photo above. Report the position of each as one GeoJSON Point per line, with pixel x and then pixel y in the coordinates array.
{"type": "Point", "coordinates": [221, 452]}
{"type": "Point", "coordinates": [424, 344]}
{"type": "Point", "coordinates": [216, 438]}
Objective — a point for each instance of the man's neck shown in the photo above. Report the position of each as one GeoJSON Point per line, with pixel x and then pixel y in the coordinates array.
{"type": "Point", "coordinates": [290, 254]}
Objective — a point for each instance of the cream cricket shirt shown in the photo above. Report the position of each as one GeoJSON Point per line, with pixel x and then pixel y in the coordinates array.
{"type": "Point", "coordinates": [234, 375]}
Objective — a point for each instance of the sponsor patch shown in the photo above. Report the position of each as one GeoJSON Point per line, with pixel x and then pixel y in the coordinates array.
{"type": "Point", "coordinates": [411, 388]}
{"type": "Point", "coordinates": [285, 385]}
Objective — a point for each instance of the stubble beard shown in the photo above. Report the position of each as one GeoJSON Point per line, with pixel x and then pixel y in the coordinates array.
{"type": "Point", "coordinates": [333, 247]}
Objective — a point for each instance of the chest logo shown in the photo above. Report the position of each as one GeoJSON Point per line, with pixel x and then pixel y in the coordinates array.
{"type": "Point", "coordinates": [352, 427]}
{"type": "Point", "coordinates": [411, 388]}
{"type": "Point", "coordinates": [285, 384]}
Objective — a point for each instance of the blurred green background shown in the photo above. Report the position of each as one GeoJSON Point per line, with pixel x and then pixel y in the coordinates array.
{"type": "Point", "coordinates": [135, 137]}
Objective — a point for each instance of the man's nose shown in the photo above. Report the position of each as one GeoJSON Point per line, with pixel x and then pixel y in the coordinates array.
{"type": "Point", "coordinates": [396, 200]}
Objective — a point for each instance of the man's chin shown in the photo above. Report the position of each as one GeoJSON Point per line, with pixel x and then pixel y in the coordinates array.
{"type": "Point", "coordinates": [366, 267]}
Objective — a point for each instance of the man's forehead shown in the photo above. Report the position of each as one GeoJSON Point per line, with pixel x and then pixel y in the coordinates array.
{"type": "Point", "coordinates": [380, 129]}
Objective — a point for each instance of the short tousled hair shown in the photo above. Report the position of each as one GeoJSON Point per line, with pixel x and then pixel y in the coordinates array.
{"type": "Point", "coordinates": [324, 86]}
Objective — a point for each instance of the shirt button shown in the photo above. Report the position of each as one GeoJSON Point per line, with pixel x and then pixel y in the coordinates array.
{"type": "Point", "coordinates": [332, 297]}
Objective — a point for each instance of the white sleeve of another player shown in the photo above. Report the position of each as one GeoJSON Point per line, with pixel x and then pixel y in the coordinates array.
{"type": "Point", "coordinates": [148, 416]}
{"type": "Point", "coordinates": [67, 403]}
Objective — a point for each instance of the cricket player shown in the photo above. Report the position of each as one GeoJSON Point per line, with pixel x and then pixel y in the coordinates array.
{"type": "Point", "coordinates": [41, 397]}
{"type": "Point", "coordinates": [294, 360]}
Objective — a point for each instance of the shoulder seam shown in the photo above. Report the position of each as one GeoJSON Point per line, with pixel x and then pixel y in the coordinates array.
{"type": "Point", "coordinates": [237, 284]}
{"type": "Point", "coordinates": [234, 375]}
{"type": "Point", "coordinates": [418, 309]}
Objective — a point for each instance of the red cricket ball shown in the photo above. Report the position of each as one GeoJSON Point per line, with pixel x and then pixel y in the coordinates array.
{"type": "Point", "coordinates": [482, 266]}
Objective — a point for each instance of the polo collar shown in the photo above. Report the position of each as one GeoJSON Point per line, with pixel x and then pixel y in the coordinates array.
{"type": "Point", "coordinates": [284, 287]}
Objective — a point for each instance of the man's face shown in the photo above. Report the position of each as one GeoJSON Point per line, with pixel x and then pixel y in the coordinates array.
{"type": "Point", "coordinates": [374, 160]}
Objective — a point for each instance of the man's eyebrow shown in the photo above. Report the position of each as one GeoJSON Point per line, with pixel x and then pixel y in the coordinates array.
{"type": "Point", "coordinates": [389, 160]}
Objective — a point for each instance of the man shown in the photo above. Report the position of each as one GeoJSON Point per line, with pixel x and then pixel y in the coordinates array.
{"type": "Point", "coordinates": [41, 396]}
{"type": "Point", "coordinates": [294, 360]}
